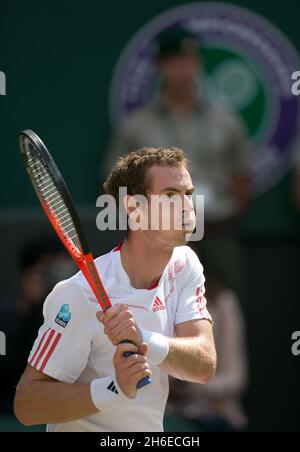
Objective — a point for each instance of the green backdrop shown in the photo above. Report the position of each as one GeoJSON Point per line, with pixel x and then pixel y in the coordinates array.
{"type": "Point", "coordinates": [58, 60]}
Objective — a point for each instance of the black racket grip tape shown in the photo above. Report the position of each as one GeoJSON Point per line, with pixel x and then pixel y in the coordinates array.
{"type": "Point", "coordinates": [144, 381]}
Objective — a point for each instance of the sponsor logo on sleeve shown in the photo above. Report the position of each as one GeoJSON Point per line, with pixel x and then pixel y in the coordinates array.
{"type": "Point", "coordinates": [64, 316]}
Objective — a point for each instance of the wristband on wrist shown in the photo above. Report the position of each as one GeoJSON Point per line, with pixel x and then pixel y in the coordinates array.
{"type": "Point", "coordinates": [158, 347]}
{"type": "Point", "coordinates": [106, 394]}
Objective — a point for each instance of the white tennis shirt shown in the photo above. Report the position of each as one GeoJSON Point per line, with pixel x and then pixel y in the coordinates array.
{"type": "Point", "coordinates": [71, 345]}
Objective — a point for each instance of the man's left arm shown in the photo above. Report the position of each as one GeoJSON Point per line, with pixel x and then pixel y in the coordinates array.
{"type": "Point", "coordinates": [189, 356]}
{"type": "Point", "coordinates": [192, 354]}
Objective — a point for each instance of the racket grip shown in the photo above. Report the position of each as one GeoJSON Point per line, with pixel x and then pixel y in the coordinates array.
{"type": "Point", "coordinates": [144, 381]}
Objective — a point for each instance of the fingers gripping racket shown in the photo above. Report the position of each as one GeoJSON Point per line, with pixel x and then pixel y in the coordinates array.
{"type": "Point", "coordinates": [58, 205]}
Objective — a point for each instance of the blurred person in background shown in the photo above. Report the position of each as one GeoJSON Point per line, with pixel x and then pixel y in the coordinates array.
{"type": "Point", "coordinates": [43, 263]}
{"type": "Point", "coordinates": [217, 406]}
{"type": "Point", "coordinates": [214, 140]}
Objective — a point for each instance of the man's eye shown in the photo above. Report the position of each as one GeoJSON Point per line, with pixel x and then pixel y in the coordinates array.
{"type": "Point", "coordinates": [170, 195]}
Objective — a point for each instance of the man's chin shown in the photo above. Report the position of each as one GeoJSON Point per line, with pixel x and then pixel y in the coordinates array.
{"type": "Point", "coordinates": [177, 238]}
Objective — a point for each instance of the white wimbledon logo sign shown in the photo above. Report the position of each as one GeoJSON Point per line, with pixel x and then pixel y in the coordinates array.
{"type": "Point", "coordinates": [2, 343]}
{"type": "Point", "coordinates": [250, 62]}
{"type": "Point", "coordinates": [2, 84]}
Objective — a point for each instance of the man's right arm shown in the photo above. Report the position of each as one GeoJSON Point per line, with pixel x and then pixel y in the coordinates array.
{"type": "Point", "coordinates": [41, 399]}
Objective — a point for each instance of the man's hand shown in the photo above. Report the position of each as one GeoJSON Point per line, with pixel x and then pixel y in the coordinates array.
{"type": "Point", "coordinates": [119, 325]}
{"type": "Point", "coordinates": [129, 371]}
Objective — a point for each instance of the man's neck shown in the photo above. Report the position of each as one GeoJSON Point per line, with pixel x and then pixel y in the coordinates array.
{"type": "Point", "coordinates": [143, 263]}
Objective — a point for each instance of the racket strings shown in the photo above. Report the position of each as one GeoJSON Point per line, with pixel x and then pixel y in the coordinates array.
{"type": "Point", "coordinates": [51, 197]}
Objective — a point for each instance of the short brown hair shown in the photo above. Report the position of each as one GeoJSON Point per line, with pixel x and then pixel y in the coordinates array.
{"type": "Point", "coordinates": [130, 170]}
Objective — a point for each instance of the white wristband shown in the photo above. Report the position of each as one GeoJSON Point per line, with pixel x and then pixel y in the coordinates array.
{"type": "Point", "coordinates": [106, 394]}
{"type": "Point", "coordinates": [158, 347]}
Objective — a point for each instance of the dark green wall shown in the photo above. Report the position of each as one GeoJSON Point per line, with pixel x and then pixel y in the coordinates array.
{"type": "Point", "coordinates": [59, 61]}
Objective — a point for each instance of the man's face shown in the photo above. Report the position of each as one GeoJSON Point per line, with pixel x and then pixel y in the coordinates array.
{"type": "Point", "coordinates": [179, 70]}
{"type": "Point", "coordinates": [173, 213]}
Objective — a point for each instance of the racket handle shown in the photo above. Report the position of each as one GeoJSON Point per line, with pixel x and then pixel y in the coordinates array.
{"type": "Point", "coordinates": [144, 381]}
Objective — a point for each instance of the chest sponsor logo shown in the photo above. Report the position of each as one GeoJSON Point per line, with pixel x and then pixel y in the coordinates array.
{"type": "Point", "coordinates": [158, 305]}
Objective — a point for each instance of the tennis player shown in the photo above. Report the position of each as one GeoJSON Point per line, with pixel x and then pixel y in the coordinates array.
{"type": "Point", "coordinates": [77, 378]}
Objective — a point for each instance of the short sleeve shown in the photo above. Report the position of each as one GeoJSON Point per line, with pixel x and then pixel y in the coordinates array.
{"type": "Point", "coordinates": [63, 345]}
{"type": "Point", "coordinates": [191, 299]}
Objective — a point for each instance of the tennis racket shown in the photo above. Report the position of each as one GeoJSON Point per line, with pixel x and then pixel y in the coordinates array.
{"type": "Point", "coordinates": [59, 207]}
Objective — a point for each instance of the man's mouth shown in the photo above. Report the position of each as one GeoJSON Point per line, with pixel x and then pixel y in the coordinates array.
{"type": "Point", "coordinates": [189, 225]}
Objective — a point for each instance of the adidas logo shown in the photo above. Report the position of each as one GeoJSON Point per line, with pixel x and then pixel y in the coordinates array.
{"type": "Point", "coordinates": [111, 387]}
{"type": "Point", "coordinates": [158, 305]}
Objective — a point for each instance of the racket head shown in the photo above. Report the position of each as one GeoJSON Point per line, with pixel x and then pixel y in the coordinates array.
{"type": "Point", "coordinates": [59, 207]}
{"type": "Point", "coordinates": [53, 193]}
